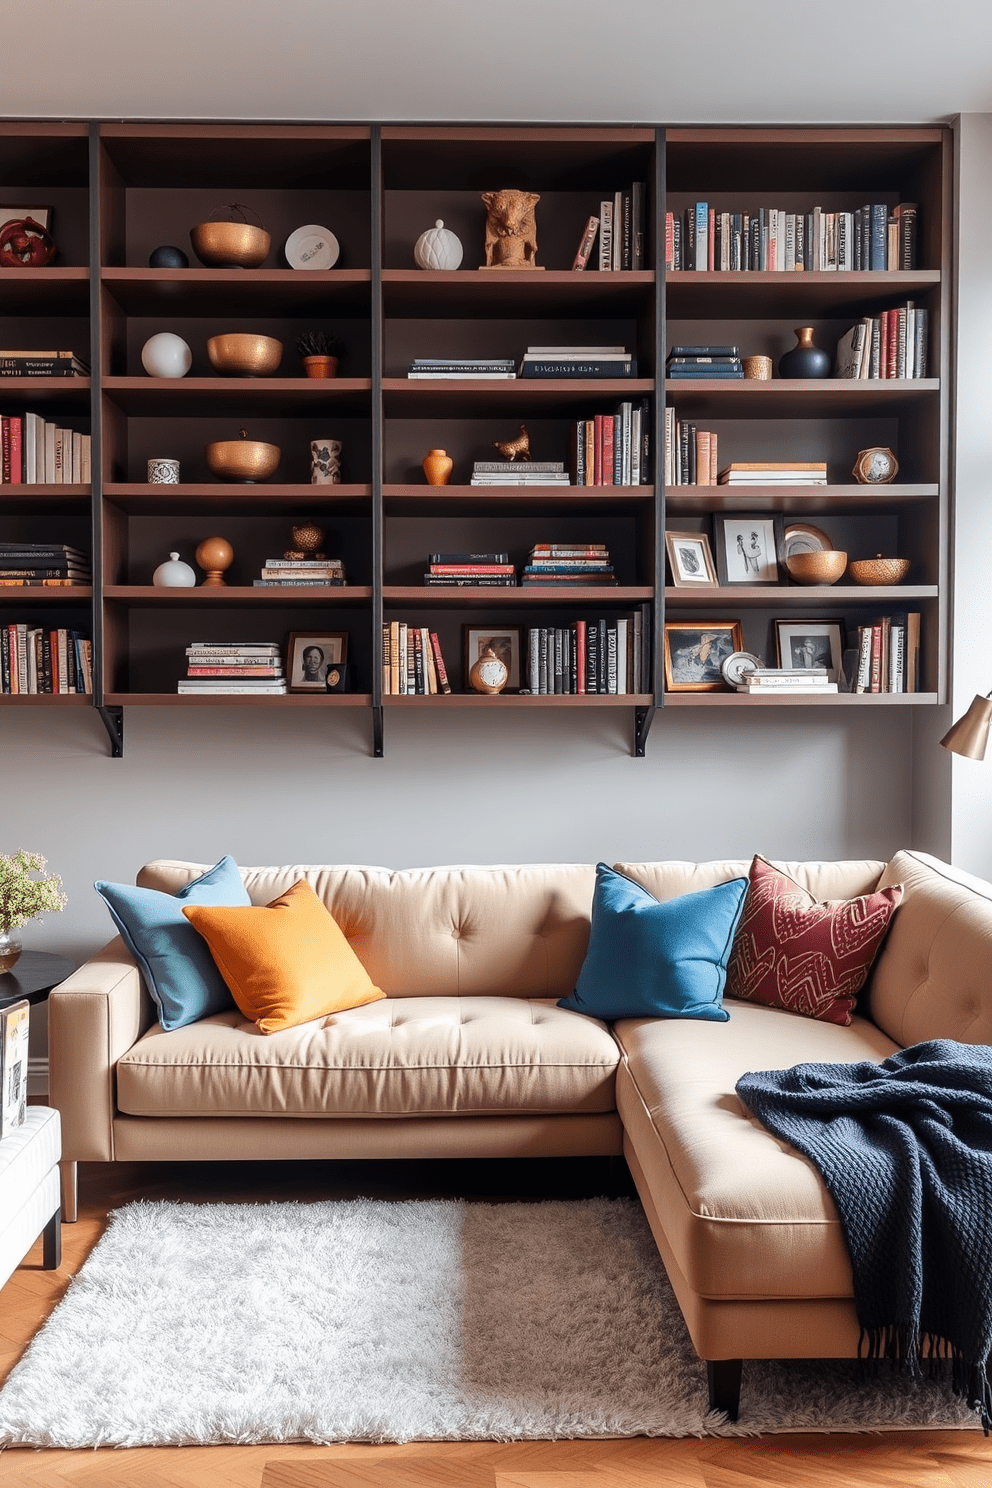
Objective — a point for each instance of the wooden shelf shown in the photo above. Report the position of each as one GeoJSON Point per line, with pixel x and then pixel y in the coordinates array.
{"type": "Point", "coordinates": [254, 292]}
{"type": "Point", "coordinates": [524, 598]}
{"type": "Point", "coordinates": [233, 700]}
{"type": "Point", "coordinates": [514, 700]}
{"type": "Point", "coordinates": [145, 595]}
{"type": "Point", "coordinates": [48, 291]}
{"type": "Point", "coordinates": [412, 398]}
{"type": "Point", "coordinates": [57, 394]}
{"type": "Point", "coordinates": [23, 500]}
{"type": "Point", "coordinates": [843, 499]}
{"type": "Point", "coordinates": [780, 700]}
{"type": "Point", "coordinates": [424, 500]}
{"type": "Point", "coordinates": [774, 596]}
{"type": "Point", "coordinates": [520, 293]}
{"type": "Point", "coordinates": [46, 700]}
{"type": "Point", "coordinates": [239, 397]}
{"type": "Point", "coordinates": [76, 594]}
{"type": "Point", "coordinates": [785, 398]}
{"type": "Point", "coordinates": [247, 499]}
{"type": "Point", "coordinates": [713, 294]}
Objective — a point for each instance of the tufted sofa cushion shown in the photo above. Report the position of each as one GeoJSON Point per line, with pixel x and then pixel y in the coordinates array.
{"type": "Point", "coordinates": [842, 880]}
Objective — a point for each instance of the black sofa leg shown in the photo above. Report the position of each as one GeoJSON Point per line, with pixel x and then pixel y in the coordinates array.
{"type": "Point", "coordinates": [52, 1242]}
{"type": "Point", "coordinates": [724, 1379]}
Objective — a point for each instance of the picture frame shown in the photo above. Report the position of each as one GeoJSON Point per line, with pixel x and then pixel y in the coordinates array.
{"type": "Point", "coordinates": [41, 215]}
{"type": "Point", "coordinates": [306, 672]}
{"type": "Point", "coordinates": [690, 560]}
{"type": "Point", "coordinates": [506, 640]}
{"type": "Point", "coordinates": [811, 643]}
{"type": "Point", "coordinates": [750, 548]}
{"type": "Point", "coordinates": [695, 651]}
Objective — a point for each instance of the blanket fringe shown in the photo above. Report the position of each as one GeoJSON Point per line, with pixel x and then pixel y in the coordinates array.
{"type": "Point", "coordinates": [905, 1348]}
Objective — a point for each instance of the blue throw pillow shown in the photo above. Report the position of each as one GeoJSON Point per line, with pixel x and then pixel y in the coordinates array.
{"type": "Point", "coordinates": [179, 970]}
{"type": "Point", "coordinates": [656, 959]}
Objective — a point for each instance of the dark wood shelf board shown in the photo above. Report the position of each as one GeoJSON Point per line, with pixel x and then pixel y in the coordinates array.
{"type": "Point", "coordinates": [232, 700]}
{"type": "Point", "coordinates": [787, 398]}
{"type": "Point", "coordinates": [780, 700]}
{"type": "Point", "coordinates": [772, 596]}
{"type": "Point", "coordinates": [843, 499]}
{"type": "Point", "coordinates": [741, 296]}
{"type": "Point", "coordinates": [49, 291]}
{"type": "Point", "coordinates": [524, 598]}
{"type": "Point", "coordinates": [46, 700]}
{"type": "Point", "coordinates": [562, 397]}
{"type": "Point", "coordinates": [240, 397]}
{"type": "Point", "coordinates": [135, 596]}
{"type": "Point", "coordinates": [174, 155]}
{"type": "Point", "coordinates": [41, 598]}
{"type": "Point", "coordinates": [438, 294]}
{"type": "Point", "coordinates": [255, 292]}
{"type": "Point", "coordinates": [44, 500]}
{"type": "Point", "coordinates": [514, 700]}
{"type": "Point", "coordinates": [70, 395]}
{"type": "Point", "coordinates": [140, 499]}
{"type": "Point", "coordinates": [424, 500]}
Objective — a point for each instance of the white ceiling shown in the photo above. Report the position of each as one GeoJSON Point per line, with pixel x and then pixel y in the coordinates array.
{"type": "Point", "coordinates": [639, 60]}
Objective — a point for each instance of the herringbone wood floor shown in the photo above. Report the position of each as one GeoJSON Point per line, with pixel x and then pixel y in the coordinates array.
{"type": "Point", "coordinates": [933, 1459]}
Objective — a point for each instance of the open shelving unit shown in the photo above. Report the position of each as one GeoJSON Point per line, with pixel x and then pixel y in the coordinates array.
{"type": "Point", "coordinates": [118, 190]}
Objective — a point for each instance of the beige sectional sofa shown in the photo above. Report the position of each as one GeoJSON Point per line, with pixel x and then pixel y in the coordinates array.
{"type": "Point", "coordinates": [469, 1056]}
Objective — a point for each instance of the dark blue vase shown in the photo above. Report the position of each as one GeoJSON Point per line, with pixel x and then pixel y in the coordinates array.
{"type": "Point", "coordinates": [805, 359]}
{"type": "Point", "coordinates": [167, 257]}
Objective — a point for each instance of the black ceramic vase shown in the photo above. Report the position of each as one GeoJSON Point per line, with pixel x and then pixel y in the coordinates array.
{"type": "Point", "coordinates": [805, 359]}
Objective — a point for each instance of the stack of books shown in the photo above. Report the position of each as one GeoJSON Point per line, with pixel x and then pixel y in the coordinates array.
{"type": "Point", "coordinates": [488, 368]}
{"type": "Point", "coordinates": [893, 344]}
{"type": "Point", "coordinates": [241, 668]}
{"type": "Point", "coordinates": [35, 452]}
{"type": "Point", "coordinates": [690, 453]}
{"type": "Point", "coordinates": [798, 680]}
{"type": "Point", "coordinates": [689, 363]}
{"type": "Point", "coordinates": [520, 473]}
{"type": "Point", "coordinates": [589, 656]}
{"type": "Point", "coordinates": [43, 566]}
{"type": "Point", "coordinates": [775, 473]}
{"type": "Point", "coordinates": [578, 361]}
{"type": "Point", "coordinates": [613, 449]}
{"type": "Point", "coordinates": [869, 238]}
{"type": "Point", "coordinates": [42, 364]}
{"type": "Point", "coordinates": [301, 573]}
{"type": "Point", "coordinates": [412, 661]}
{"type": "Point", "coordinates": [34, 659]}
{"type": "Point", "coordinates": [888, 654]}
{"type": "Point", "coordinates": [568, 565]}
{"type": "Point", "coordinates": [471, 571]}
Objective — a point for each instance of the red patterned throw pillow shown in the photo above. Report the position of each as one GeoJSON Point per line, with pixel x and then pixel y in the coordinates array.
{"type": "Point", "coordinates": [792, 951]}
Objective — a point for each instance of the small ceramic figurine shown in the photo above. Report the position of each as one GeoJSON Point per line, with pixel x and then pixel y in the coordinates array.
{"type": "Point", "coordinates": [438, 248]}
{"type": "Point", "coordinates": [515, 449]}
{"type": "Point", "coordinates": [511, 229]}
{"type": "Point", "coordinates": [174, 574]}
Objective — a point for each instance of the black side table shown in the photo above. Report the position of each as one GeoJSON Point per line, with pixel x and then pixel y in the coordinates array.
{"type": "Point", "coordinates": [33, 976]}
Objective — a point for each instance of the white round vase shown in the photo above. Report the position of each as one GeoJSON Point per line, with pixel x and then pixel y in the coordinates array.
{"type": "Point", "coordinates": [166, 355]}
{"type": "Point", "coordinates": [174, 574]}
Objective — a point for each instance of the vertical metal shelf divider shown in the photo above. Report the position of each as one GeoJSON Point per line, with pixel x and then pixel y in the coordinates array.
{"type": "Point", "coordinates": [644, 717]}
{"type": "Point", "coordinates": [377, 330]}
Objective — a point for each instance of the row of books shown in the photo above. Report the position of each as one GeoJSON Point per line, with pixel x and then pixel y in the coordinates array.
{"type": "Point", "coordinates": [793, 680]}
{"type": "Point", "coordinates": [887, 656]}
{"type": "Point", "coordinates": [871, 238]}
{"type": "Point", "coordinates": [233, 668]}
{"type": "Point", "coordinates": [520, 473]}
{"type": "Point", "coordinates": [471, 571]}
{"type": "Point", "coordinates": [412, 661]}
{"type": "Point", "coordinates": [686, 363]}
{"type": "Point", "coordinates": [569, 362]}
{"type": "Point", "coordinates": [620, 228]}
{"type": "Point", "coordinates": [43, 566]}
{"type": "Point", "coordinates": [34, 451]}
{"type": "Point", "coordinates": [455, 368]}
{"type": "Point", "coordinates": [301, 573]}
{"type": "Point", "coordinates": [613, 449]}
{"type": "Point", "coordinates": [893, 344]}
{"type": "Point", "coordinates": [690, 453]}
{"type": "Point", "coordinates": [42, 364]}
{"type": "Point", "coordinates": [36, 659]}
{"type": "Point", "coordinates": [568, 566]}
{"type": "Point", "coordinates": [589, 657]}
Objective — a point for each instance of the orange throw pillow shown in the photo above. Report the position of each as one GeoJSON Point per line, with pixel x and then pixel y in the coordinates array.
{"type": "Point", "coordinates": [285, 962]}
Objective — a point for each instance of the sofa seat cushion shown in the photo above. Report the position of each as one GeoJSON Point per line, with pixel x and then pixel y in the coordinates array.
{"type": "Point", "coordinates": [403, 1056]}
{"type": "Point", "coordinates": [747, 1216]}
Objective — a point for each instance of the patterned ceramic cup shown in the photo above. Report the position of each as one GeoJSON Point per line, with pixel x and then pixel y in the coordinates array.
{"type": "Point", "coordinates": [163, 472]}
{"type": "Point", "coordinates": [325, 462]}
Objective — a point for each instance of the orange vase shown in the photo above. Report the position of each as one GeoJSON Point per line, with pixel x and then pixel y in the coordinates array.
{"type": "Point", "coordinates": [437, 467]}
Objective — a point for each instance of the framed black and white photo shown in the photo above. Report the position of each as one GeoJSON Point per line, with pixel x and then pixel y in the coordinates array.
{"type": "Point", "coordinates": [811, 643]}
{"type": "Point", "coordinates": [504, 640]}
{"type": "Point", "coordinates": [695, 653]}
{"type": "Point", "coordinates": [690, 560]}
{"type": "Point", "coordinates": [749, 549]}
{"type": "Point", "coordinates": [310, 655]}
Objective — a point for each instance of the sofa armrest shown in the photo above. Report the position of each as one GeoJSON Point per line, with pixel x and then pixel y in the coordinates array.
{"type": "Point", "coordinates": [93, 1018]}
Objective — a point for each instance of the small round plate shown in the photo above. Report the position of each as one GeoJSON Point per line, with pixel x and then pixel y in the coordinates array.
{"type": "Point", "coordinates": [737, 665]}
{"type": "Point", "coordinates": [312, 247]}
{"type": "Point", "coordinates": [803, 537]}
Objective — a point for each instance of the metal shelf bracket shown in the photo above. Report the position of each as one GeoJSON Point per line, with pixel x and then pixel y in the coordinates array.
{"type": "Point", "coordinates": [643, 719]}
{"type": "Point", "coordinates": [113, 722]}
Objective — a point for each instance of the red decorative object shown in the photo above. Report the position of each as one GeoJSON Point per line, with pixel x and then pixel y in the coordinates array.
{"type": "Point", "coordinates": [792, 951]}
{"type": "Point", "coordinates": [25, 244]}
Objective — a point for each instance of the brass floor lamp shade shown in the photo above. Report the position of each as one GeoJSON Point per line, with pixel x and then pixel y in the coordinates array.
{"type": "Point", "coordinates": [970, 735]}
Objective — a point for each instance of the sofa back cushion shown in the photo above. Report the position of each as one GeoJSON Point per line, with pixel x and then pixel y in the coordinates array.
{"type": "Point", "coordinates": [933, 978]}
{"type": "Point", "coordinates": [841, 880]}
{"type": "Point", "coordinates": [518, 931]}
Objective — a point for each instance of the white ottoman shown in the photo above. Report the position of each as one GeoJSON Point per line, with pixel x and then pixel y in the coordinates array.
{"type": "Point", "coordinates": [29, 1190]}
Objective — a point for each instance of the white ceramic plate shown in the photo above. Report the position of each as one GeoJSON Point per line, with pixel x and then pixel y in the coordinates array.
{"type": "Point", "coordinates": [312, 247]}
{"type": "Point", "coordinates": [803, 537]}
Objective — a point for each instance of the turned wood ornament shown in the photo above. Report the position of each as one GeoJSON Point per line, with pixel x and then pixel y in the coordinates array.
{"type": "Point", "coordinates": [215, 555]}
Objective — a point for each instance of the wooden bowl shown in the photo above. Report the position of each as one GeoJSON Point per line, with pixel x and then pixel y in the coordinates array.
{"type": "Point", "coordinates": [879, 570]}
{"type": "Point", "coordinates": [230, 245]}
{"type": "Point", "coordinates": [242, 354]}
{"type": "Point", "coordinates": [823, 567]}
{"type": "Point", "coordinates": [243, 459]}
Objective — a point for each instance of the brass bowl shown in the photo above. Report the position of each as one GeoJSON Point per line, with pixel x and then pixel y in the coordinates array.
{"type": "Point", "coordinates": [879, 570]}
{"type": "Point", "coordinates": [823, 567]}
{"type": "Point", "coordinates": [230, 245]}
{"type": "Point", "coordinates": [242, 354]}
{"type": "Point", "coordinates": [243, 459]}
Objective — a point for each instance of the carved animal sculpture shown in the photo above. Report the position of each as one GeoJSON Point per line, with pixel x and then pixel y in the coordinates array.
{"type": "Point", "coordinates": [511, 229]}
{"type": "Point", "coordinates": [515, 449]}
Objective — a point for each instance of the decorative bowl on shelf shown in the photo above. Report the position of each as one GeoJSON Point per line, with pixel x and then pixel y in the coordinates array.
{"type": "Point", "coordinates": [879, 570]}
{"type": "Point", "coordinates": [244, 354]}
{"type": "Point", "coordinates": [824, 567]}
{"type": "Point", "coordinates": [231, 245]}
{"type": "Point", "coordinates": [243, 459]}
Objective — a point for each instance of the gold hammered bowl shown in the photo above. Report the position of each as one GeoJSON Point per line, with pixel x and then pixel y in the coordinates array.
{"type": "Point", "coordinates": [230, 245]}
{"type": "Point", "coordinates": [824, 567]}
{"type": "Point", "coordinates": [243, 354]}
{"type": "Point", "coordinates": [879, 570]}
{"type": "Point", "coordinates": [243, 459]}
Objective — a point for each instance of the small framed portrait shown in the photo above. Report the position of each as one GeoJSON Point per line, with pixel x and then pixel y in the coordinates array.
{"type": "Point", "coordinates": [749, 549]}
{"type": "Point", "coordinates": [690, 560]}
{"type": "Point", "coordinates": [309, 657]}
{"type": "Point", "coordinates": [695, 652]}
{"type": "Point", "coordinates": [505, 640]}
{"type": "Point", "coordinates": [811, 643]}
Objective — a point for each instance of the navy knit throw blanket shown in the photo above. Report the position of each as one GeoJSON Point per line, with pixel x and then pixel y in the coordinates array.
{"type": "Point", "coordinates": [905, 1148]}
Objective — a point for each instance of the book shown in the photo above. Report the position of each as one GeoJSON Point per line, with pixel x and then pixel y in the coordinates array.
{"type": "Point", "coordinates": [606, 235]}
{"type": "Point", "coordinates": [603, 367]}
{"type": "Point", "coordinates": [469, 557]}
{"type": "Point", "coordinates": [584, 250]}
{"type": "Point", "coordinates": [14, 1024]}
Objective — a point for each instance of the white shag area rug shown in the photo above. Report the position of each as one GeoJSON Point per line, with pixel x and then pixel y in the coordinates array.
{"type": "Point", "coordinates": [389, 1322]}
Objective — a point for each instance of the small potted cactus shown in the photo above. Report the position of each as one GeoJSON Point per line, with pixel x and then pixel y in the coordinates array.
{"type": "Point", "coordinates": [320, 351]}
